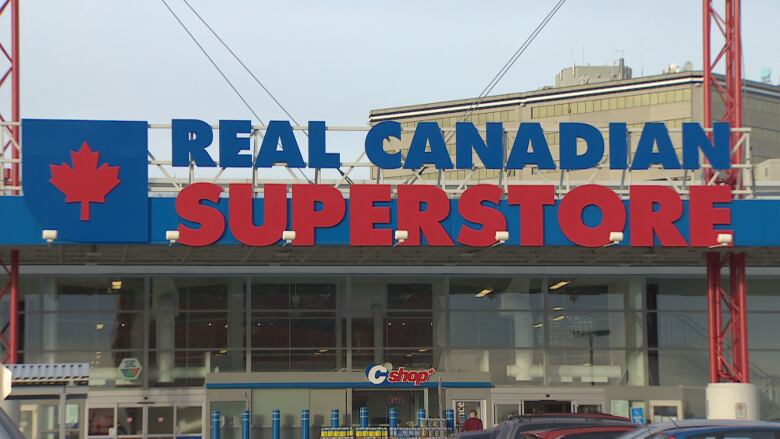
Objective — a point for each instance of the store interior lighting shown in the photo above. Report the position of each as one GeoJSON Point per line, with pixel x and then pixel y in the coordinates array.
{"type": "Point", "coordinates": [560, 284]}
{"type": "Point", "coordinates": [484, 292]}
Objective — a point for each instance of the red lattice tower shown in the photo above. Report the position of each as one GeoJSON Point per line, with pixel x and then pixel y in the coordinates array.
{"type": "Point", "coordinates": [9, 85]}
{"type": "Point", "coordinates": [728, 333]}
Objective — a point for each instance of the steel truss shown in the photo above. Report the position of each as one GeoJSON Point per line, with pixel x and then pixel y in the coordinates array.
{"type": "Point", "coordinates": [10, 177]}
{"type": "Point", "coordinates": [735, 367]}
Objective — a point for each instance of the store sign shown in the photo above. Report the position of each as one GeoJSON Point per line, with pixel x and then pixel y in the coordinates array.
{"type": "Point", "coordinates": [130, 369]}
{"type": "Point", "coordinates": [89, 181]}
{"type": "Point", "coordinates": [379, 375]}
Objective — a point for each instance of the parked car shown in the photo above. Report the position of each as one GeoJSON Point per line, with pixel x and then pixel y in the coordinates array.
{"type": "Point", "coordinates": [589, 432]}
{"type": "Point", "coordinates": [514, 427]}
{"type": "Point", "coordinates": [768, 431]}
{"type": "Point", "coordinates": [664, 429]}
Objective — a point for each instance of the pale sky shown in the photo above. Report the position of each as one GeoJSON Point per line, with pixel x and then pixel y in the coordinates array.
{"type": "Point", "coordinates": [335, 60]}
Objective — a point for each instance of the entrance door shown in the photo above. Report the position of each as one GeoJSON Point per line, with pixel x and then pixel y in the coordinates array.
{"type": "Point", "coordinates": [546, 406]}
{"type": "Point", "coordinates": [407, 402]}
{"type": "Point", "coordinates": [157, 421]}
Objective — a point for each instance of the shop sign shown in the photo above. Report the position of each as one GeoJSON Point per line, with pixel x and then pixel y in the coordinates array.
{"type": "Point", "coordinates": [90, 183]}
{"type": "Point", "coordinates": [379, 375]}
{"type": "Point", "coordinates": [130, 369]}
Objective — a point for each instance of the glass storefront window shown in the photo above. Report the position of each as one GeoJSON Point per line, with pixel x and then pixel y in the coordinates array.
{"type": "Point", "coordinates": [587, 293]}
{"type": "Point", "coordinates": [677, 294]}
{"type": "Point", "coordinates": [160, 420]}
{"type": "Point", "coordinates": [495, 329]}
{"type": "Point", "coordinates": [495, 293]}
{"type": "Point", "coordinates": [100, 421]}
{"type": "Point", "coordinates": [189, 420]}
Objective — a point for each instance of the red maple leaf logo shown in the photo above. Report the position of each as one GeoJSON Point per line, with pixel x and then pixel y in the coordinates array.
{"type": "Point", "coordinates": [85, 182]}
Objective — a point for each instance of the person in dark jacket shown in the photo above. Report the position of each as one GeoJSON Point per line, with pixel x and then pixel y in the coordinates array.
{"type": "Point", "coordinates": [473, 423]}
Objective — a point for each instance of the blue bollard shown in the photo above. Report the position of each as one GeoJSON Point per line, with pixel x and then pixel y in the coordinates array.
{"type": "Point", "coordinates": [215, 417]}
{"type": "Point", "coordinates": [363, 417]}
{"type": "Point", "coordinates": [420, 416]}
{"type": "Point", "coordinates": [449, 414]}
{"type": "Point", "coordinates": [276, 424]}
{"type": "Point", "coordinates": [392, 417]}
{"type": "Point", "coordinates": [304, 424]}
{"type": "Point", "coordinates": [245, 417]}
{"type": "Point", "coordinates": [334, 418]}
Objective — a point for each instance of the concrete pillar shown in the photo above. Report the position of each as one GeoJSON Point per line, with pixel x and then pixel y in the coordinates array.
{"type": "Point", "coordinates": [165, 307]}
{"type": "Point", "coordinates": [378, 314]}
{"type": "Point", "coordinates": [47, 287]}
{"type": "Point", "coordinates": [235, 330]}
{"type": "Point", "coordinates": [522, 324]}
{"type": "Point", "coordinates": [733, 401]}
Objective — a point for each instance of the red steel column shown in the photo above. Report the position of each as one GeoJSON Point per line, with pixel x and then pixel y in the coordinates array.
{"type": "Point", "coordinates": [13, 324]}
{"type": "Point", "coordinates": [734, 367]}
{"type": "Point", "coordinates": [713, 311]}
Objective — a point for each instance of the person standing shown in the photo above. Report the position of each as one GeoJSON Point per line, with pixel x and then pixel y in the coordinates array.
{"type": "Point", "coordinates": [473, 423]}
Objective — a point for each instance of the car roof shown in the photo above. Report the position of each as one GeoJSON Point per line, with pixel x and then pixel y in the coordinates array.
{"type": "Point", "coordinates": [768, 426]}
{"type": "Point", "coordinates": [649, 430]}
{"type": "Point", "coordinates": [593, 428]}
{"type": "Point", "coordinates": [568, 415]}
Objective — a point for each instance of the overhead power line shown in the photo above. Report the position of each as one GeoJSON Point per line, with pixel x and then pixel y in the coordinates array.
{"type": "Point", "coordinates": [248, 70]}
{"type": "Point", "coordinates": [224, 76]}
{"type": "Point", "coordinates": [502, 72]}
{"type": "Point", "coordinates": [213, 63]}
{"type": "Point", "coordinates": [257, 80]}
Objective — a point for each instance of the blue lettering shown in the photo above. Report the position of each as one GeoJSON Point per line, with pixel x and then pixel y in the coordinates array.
{"type": "Point", "coordinates": [618, 146]}
{"type": "Point", "coordinates": [467, 138]}
{"type": "Point", "coordinates": [594, 145]}
{"type": "Point", "coordinates": [279, 133]}
{"type": "Point", "coordinates": [717, 152]}
{"type": "Point", "coordinates": [230, 145]}
{"type": "Point", "coordinates": [530, 134]}
{"type": "Point", "coordinates": [428, 133]}
{"type": "Point", "coordinates": [655, 133]}
{"type": "Point", "coordinates": [189, 139]}
{"type": "Point", "coordinates": [374, 144]}
{"type": "Point", "coordinates": [318, 155]}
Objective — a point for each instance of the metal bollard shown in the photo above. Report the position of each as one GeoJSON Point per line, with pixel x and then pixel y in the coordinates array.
{"type": "Point", "coordinates": [392, 417]}
{"type": "Point", "coordinates": [304, 424]}
{"type": "Point", "coordinates": [245, 417]}
{"type": "Point", "coordinates": [363, 417]}
{"type": "Point", "coordinates": [449, 414]}
{"type": "Point", "coordinates": [276, 424]}
{"type": "Point", "coordinates": [334, 418]}
{"type": "Point", "coordinates": [420, 416]}
{"type": "Point", "coordinates": [215, 418]}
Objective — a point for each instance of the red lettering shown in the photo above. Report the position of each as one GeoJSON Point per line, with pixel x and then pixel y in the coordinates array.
{"type": "Point", "coordinates": [704, 215]}
{"type": "Point", "coordinates": [422, 377]}
{"type": "Point", "coordinates": [570, 215]}
{"type": "Point", "coordinates": [531, 199]}
{"type": "Point", "coordinates": [210, 220]}
{"type": "Point", "coordinates": [393, 377]}
{"type": "Point", "coordinates": [306, 218]}
{"type": "Point", "coordinates": [471, 209]}
{"type": "Point", "coordinates": [423, 222]}
{"type": "Point", "coordinates": [646, 223]}
{"type": "Point", "coordinates": [363, 215]}
{"type": "Point", "coordinates": [241, 218]}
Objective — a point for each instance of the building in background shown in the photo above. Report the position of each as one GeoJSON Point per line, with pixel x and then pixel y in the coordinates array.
{"type": "Point", "coordinates": [596, 95]}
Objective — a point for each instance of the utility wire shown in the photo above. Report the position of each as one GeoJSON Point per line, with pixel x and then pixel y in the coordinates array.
{"type": "Point", "coordinates": [213, 63]}
{"type": "Point", "coordinates": [260, 83]}
{"type": "Point", "coordinates": [248, 70]}
{"type": "Point", "coordinates": [501, 73]}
